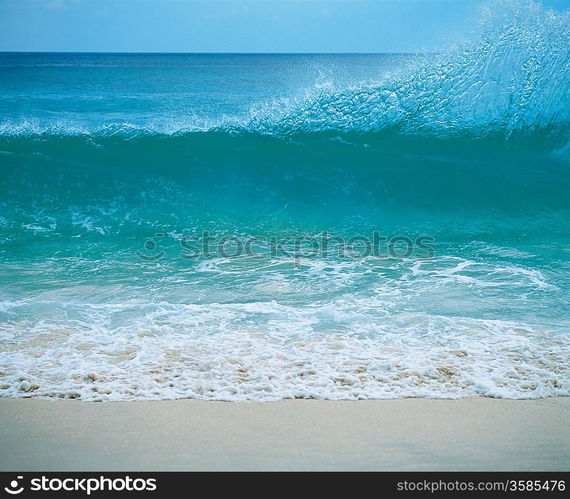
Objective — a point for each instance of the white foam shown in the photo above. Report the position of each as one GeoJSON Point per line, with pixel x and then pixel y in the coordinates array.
{"type": "Point", "coordinates": [379, 342]}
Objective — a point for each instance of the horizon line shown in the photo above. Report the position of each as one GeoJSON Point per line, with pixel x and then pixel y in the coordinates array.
{"type": "Point", "coordinates": [205, 52]}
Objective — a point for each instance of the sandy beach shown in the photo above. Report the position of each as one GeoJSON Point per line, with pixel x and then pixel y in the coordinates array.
{"type": "Point", "coordinates": [404, 434]}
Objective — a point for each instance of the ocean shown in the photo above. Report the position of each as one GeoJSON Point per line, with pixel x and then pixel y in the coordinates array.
{"type": "Point", "coordinates": [267, 226]}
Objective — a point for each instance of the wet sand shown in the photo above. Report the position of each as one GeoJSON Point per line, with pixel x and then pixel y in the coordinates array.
{"type": "Point", "coordinates": [404, 434]}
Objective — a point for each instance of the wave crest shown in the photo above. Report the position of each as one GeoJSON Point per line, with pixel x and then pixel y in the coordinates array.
{"type": "Point", "coordinates": [512, 75]}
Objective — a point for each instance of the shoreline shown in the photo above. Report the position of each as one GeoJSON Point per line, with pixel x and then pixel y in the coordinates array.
{"type": "Point", "coordinates": [394, 434]}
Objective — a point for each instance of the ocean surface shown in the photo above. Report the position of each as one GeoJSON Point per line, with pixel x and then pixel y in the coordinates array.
{"type": "Point", "coordinates": [257, 227]}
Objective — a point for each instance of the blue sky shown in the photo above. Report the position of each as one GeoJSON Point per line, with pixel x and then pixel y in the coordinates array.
{"type": "Point", "coordinates": [233, 25]}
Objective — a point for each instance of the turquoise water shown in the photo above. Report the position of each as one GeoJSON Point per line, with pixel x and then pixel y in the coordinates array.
{"type": "Point", "coordinates": [255, 227]}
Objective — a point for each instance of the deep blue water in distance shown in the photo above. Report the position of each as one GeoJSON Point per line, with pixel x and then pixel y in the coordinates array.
{"type": "Point", "coordinates": [171, 91]}
{"type": "Point", "coordinates": [376, 225]}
